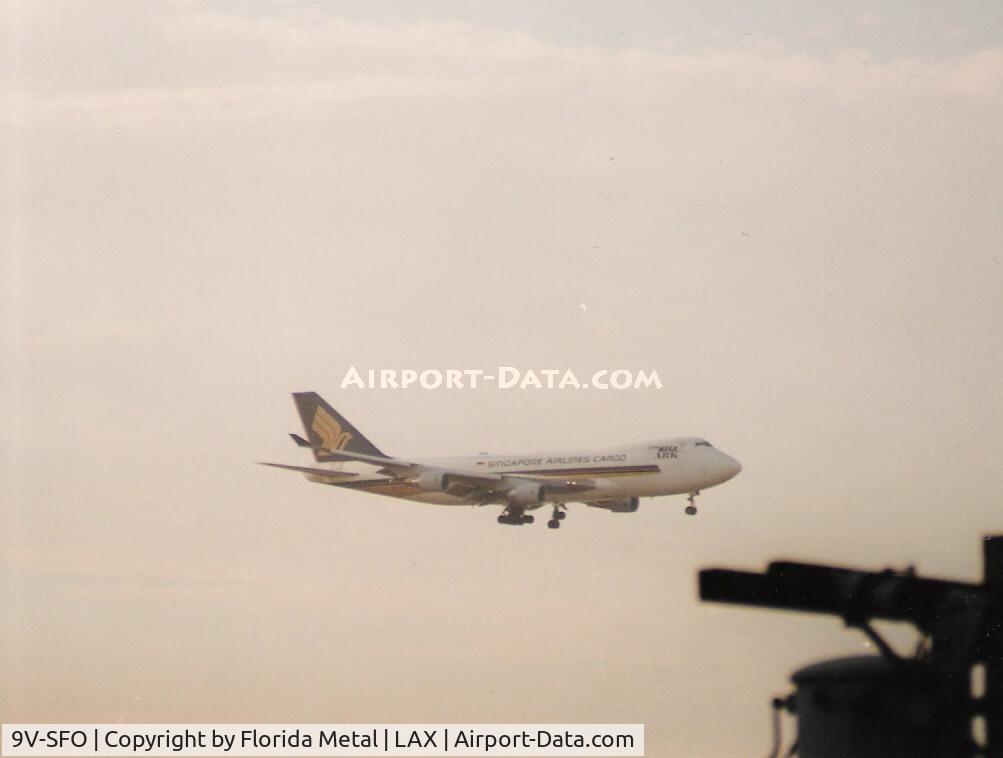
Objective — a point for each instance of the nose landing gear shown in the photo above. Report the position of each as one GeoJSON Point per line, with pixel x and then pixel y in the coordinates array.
{"type": "Point", "coordinates": [691, 509]}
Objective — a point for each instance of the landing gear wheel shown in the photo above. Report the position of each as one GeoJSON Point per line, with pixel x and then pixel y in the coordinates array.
{"type": "Point", "coordinates": [691, 510]}
{"type": "Point", "coordinates": [514, 519]}
{"type": "Point", "coordinates": [560, 515]}
{"type": "Point", "coordinates": [527, 519]}
{"type": "Point", "coordinates": [554, 523]}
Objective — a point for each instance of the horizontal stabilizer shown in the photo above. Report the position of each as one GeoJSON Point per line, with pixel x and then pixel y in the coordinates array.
{"type": "Point", "coordinates": [326, 473]}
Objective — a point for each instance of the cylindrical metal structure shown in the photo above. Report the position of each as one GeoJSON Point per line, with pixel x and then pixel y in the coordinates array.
{"type": "Point", "coordinates": [873, 707]}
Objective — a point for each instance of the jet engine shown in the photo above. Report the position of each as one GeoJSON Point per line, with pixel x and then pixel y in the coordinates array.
{"type": "Point", "coordinates": [528, 495]}
{"type": "Point", "coordinates": [623, 505]}
{"type": "Point", "coordinates": [433, 481]}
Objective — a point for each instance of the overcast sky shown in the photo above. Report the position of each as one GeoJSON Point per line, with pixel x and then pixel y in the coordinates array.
{"type": "Point", "coordinates": [791, 211]}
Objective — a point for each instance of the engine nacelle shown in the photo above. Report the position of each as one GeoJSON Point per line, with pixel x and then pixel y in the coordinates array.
{"type": "Point", "coordinates": [623, 505]}
{"type": "Point", "coordinates": [433, 481]}
{"type": "Point", "coordinates": [528, 495]}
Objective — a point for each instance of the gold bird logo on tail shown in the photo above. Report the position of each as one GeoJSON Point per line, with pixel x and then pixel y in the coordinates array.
{"type": "Point", "coordinates": [329, 430]}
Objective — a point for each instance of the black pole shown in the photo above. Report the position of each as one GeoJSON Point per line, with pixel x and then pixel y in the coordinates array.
{"type": "Point", "coordinates": [993, 645]}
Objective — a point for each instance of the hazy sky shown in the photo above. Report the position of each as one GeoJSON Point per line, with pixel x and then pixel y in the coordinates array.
{"type": "Point", "coordinates": [791, 211]}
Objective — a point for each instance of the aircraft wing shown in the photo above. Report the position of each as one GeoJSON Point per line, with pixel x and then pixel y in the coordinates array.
{"type": "Point", "coordinates": [494, 483]}
{"type": "Point", "coordinates": [502, 483]}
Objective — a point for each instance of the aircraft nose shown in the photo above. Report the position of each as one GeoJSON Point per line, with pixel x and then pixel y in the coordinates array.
{"type": "Point", "coordinates": [731, 466]}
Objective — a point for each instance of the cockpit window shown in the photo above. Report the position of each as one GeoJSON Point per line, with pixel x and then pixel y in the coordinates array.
{"type": "Point", "coordinates": [703, 443]}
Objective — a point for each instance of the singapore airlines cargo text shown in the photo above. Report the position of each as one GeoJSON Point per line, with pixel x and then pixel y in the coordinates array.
{"type": "Point", "coordinates": [504, 378]}
{"type": "Point", "coordinates": [323, 739]}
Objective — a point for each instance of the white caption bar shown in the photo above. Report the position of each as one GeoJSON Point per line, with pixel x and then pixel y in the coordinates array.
{"type": "Point", "coordinates": [323, 739]}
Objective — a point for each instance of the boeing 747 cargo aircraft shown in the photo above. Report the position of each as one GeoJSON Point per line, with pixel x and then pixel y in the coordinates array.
{"type": "Point", "coordinates": [613, 478]}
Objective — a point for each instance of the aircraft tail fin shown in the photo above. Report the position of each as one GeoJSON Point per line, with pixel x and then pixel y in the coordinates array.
{"type": "Point", "coordinates": [325, 427]}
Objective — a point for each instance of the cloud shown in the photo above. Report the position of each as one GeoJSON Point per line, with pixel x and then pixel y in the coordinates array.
{"type": "Point", "coordinates": [216, 68]}
{"type": "Point", "coordinates": [169, 107]}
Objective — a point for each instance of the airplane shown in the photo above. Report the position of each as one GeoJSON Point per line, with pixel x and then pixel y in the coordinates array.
{"type": "Point", "coordinates": [612, 478]}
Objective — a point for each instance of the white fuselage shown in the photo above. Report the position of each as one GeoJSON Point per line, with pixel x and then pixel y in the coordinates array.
{"type": "Point", "coordinates": [664, 467]}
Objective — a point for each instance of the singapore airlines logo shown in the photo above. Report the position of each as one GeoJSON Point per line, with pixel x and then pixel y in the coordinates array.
{"type": "Point", "coordinates": [329, 430]}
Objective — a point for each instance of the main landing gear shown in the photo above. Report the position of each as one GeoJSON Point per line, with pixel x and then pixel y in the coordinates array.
{"type": "Point", "coordinates": [518, 517]}
{"type": "Point", "coordinates": [515, 518]}
{"type": "Point", "coordinates": [557, 518]}
{"type": "Point", "coordinates": [691, 509]}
